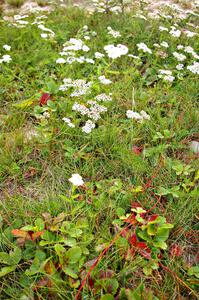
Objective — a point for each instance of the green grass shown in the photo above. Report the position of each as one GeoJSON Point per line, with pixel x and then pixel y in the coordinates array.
{"type": "Point", "coordinates": [34, 171]}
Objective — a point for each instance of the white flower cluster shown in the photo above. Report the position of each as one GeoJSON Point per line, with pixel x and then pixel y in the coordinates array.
{"type": "Point", "coordinates": [137, 116]}
{"type": "Point", "coordinates": [114, 33]}
{"type": "Point", "coordinates": [104, 80]}
{"type": "Point", "coordinates": [116, 51]}
{"type": "Point", "coordinates": [68, 122]}
{"type": "Point", "coordinates": [87, 33]}
{"type": "Point", "coordinates": [99, 55]}
{"type": "Point", "coordinates": [144, 48]}
{"type": "Point", "coordinates": [179, 56]}
{"type": "Point", "coordinates": [162, 28]}
{"type": "Point", "coordinates": [71, 50]}
{"type": "Point", "coordinates": [81, 87]}
{"type": "Point", "coordinates": [180, 67]}
{"type": "Point", "coordinates": [164, 44]}
{"type": "Point", "coordinates": [189, 34]}
{"type": "Point", "coordinates": [194, 68]}
{"type": "Point", "coordinates": [93, 112]}
{"type": "Point", "coordinates": [190, 50]}
{"type": "Point", "coordinates": [175, 32]}
{"type": "Point", "coordinates": [103, 97]}
{"type": "Point", "coordinates": [76, 180]}
{"type": "Point", "coordinates": [166, 75]}
{"type": "Point", "coordinates": [103, 6]}
{"type": "Point", "coordinates": [6, 58]}
{"type": "Point", "coordinates": [47, 33]}
{"type": "Point", "coordinates": [6, 47]}
{"type": "Point", "coordinates": [89, 125]}
{"type": "Point", "coordinates": [19, 21]}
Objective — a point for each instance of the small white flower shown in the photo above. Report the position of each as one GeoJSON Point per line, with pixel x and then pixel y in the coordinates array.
{"type": "Point", "coordinates": [7, 47]}
{"type": "Point", "coordinates": [60, 61]}
{"type": "Point", "coordinates": [44, 35]}
{"type": "Point", "coordinates": [144, 48]}
{"type": "Point", "coordinates": [87, 128]}
{"type": "Point", "coordinates": [87, 38]}
{"type": "Point", "coordinates": [169, 78]}
{"type": "Point", "coordinates": [68, 121]}
{"type": "Point", "coordinates": [194, 68]}
{"type": "Point", "coordinates": [98, 55]}
{"type": "Point", "coordinates": [180, 47]}
{"type": "Point", "coordinates": [6, 58]}
{"type": "Point", "coordinates": [164, 44]}
{"type": "Point", "coordinates": [116, 51]}
{"type": "Point", "coordinates": [179, 56]}
{"type": "Point", "coordinates": [76, 180]}
{"type": "Point", "coordinates": [114, 33]}
{"type": "Point", "coordinates": [133, 115]}
{"type": "Point", "coordinates": [179, 67]}
{"type": "Point", "coordinates": [145, 115]}
{"type": "Point", "coordinates": [161, 28]}
{"type": "Point", "coordinates": [175, 32]}
{"type": "Point", "coordinates": [85, 48]}
{"type": "Point", "coordinates": [90, 61]}
{"type": "Point", "coordinates": [189, 33]}
{"type": "Point", "coordinates": [104, 80]}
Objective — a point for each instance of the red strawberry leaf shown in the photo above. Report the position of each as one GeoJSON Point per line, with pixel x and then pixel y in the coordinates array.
{"type": "Point", "coordinates": [44, 99]}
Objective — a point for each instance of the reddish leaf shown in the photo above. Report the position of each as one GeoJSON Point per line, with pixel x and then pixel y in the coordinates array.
{"type": "Point", "coordinates": [135, 205]}
{"type": "Point", "coordinates": [176, 250]}
{"type": "Point", "coordinates": [141, 245]}
{"type": "Point", "coordinates": [44, 99]}
{"type": "Point", "coordinates": [131, 219]}
{"type": "Point", "coordinates": [91, 283]}
{"type": "Point", "coordinates": [37, 234]}
{"type": "Point", "coordinates": [152, 218]}
{"type": "Point", "coordinates": [133, 240]}
{"type": "Point", "coordinates": [137, 150]}
{"type": "Point", "coordinates": [20, 233]}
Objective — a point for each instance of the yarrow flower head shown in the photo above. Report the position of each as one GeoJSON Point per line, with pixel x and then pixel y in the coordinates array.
{"type": "Point", "coordinates": [144, 48]}
{"type": "Point", "coordinates": [104, 80]}
{"type": "Point", "coordinates": [99, 55]}
{"type": "Point", "coordinates": [87, 128]}
{"type": "Point", "coordinates": [137, 116]}
{"type": "Point", "coordinates": [194, 68]}
{"type": "Point", "coordinates": [7, 47]}
{"type": "Point", "coordinates": [76, 180]}
{"type": "Point", "coordinates": [116, 51]}
{"type": "Point", "coordinates": [166, 75]}
{"type": "Point", "coordinates": [6, 59]}
{"type": "Point", "coordinates": [179, 56]}
{"type": "Point", "coordinates": [68, 121]}
{"type": "Point", "coordinates": [114, 33]}
{"type": "Point", "coordinates": [175, 32]}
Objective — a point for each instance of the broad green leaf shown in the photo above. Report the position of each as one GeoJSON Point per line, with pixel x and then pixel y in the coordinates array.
{"type": "Point", "coordinates": [70, 272]}
{"type": "Point", "coordinates": [194, 271]}
{"type": "Point", "coordinates": [15, 256]}
{"type": "Point", "coordinates": [162, 234]}
{"type": "Point", "coordinates": [6, 270]}
{"type": "Point", "coordinates": [39, 223]}
{"type": "Point", "coordinates": [74, 255]}
{"type": "Point", "coordinates": [160, 244]}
